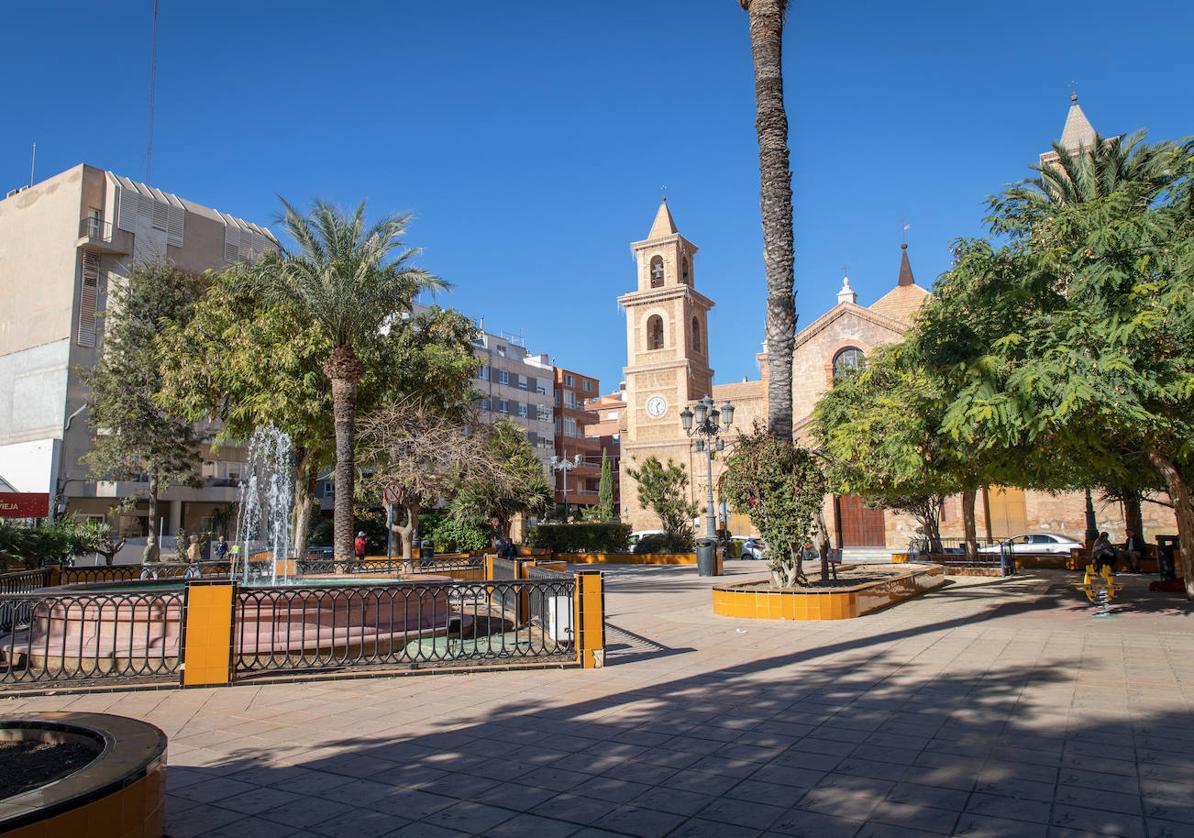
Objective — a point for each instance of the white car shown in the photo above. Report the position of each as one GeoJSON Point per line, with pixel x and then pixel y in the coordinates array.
{"type": "Point", "coordinates": [638, 535]}
{"type": "Point", "coordinates": [1036, 542]}
{"type": "Point", "coordinates": [752, 548]}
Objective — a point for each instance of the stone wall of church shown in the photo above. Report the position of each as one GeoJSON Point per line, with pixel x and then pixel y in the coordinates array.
{"type": "Point", "coordinates": [812, 362]}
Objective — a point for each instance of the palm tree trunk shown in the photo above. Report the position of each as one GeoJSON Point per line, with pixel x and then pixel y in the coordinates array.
{"type": "Point", "coordinates": [771, 124]}
{"type": "Point", "coordinates": [344, 370]}
{"type": "Point", "coordinates": [1183, 509]}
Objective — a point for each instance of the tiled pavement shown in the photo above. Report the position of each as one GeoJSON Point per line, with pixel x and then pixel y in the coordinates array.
{"type": "Point", "coordinates": [992, 708]}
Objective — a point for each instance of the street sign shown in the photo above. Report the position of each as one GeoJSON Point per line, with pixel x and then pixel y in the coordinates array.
{"type": "Point", "coordinates": [24, 504]}
{"type": "Point", "coordinates": [390, 495]}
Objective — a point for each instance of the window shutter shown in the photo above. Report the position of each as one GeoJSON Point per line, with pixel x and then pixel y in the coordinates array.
{"type": "Point", "coordinates": [231, 243]}
{"type": "Point", "coordinates": [175, 221]}
{"type": "Point", "coordinates": [88, 300]}
{"type": "Point", "coordinates": [129, 202]}
{"type": "Point", "coordinates": [161, 215]}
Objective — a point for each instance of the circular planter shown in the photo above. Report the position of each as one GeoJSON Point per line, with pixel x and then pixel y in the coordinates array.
{"type": "Point", "coordinates": [121, 791]}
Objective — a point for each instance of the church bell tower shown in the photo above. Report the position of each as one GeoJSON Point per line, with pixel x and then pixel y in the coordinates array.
{"type": "Point", "coordinates": [667, 336]}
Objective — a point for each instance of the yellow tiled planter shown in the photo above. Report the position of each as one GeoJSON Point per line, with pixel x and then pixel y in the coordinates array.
{"type": "Point", "coordinates": [756, 600]}
{"type": "Point", "coordinates": [626, 558]}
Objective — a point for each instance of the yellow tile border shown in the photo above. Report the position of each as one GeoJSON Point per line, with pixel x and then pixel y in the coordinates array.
{"type": "Point", "coordinates": [747, 600]}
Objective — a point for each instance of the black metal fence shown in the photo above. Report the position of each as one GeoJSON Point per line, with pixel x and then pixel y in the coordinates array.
{"type": "Point", "coordinates": [24, 581]}
{"type": "Point", "coordinates": [403, 624]}
{"type": "Point", "coordinates": [314, 566]}
{"type": "Point", "coordinates": [77, 636]}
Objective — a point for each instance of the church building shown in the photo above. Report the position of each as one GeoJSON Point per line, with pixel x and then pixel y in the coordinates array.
{"type": "Point", "coordinates": [668, 369]}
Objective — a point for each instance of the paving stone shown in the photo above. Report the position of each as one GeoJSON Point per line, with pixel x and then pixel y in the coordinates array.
{"type": "Point", "coordinates": [1111, 823]}
{"type": "Point", "coordinates": [575, 808]}
{"type": "Point", "coordinates": [974, 825]}
{"type": "Point", "coordinates": [741, 812]}
{"type": "Point", "coordinates": [1128, 804]}
{"type": "Point", "coordinates": [1009, 807]}
{"type": "Point", "coordinates": [258, 800]}
{"type": "Point", "coordinates": [467, 816]}
{"type": "Point", "coordinates": [532, 826]}
{"type": "Point", "coordinates": [359, 824]}
{"type": "Point", "coordinates": [646, 823]}
{"type": "Point", "coordinates": [700, 828]}
{"type": "Point", "coordinates": [805, 824]}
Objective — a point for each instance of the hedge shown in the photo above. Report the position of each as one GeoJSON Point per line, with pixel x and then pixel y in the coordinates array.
{"type": "Point", "coordinates": [581, 537]}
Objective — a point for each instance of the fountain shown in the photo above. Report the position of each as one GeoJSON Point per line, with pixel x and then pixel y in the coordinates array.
{"type": "Point", "coordinates": [266, 497]}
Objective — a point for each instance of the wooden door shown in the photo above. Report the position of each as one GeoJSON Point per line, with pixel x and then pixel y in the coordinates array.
{"type": "Point", "coordinates": [858, 525]}
{"type": "Point", "coordinates": [1008, 514]}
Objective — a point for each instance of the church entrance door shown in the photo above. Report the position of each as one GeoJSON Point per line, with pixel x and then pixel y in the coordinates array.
{"type": "Point", "coordinates": [858, 525]}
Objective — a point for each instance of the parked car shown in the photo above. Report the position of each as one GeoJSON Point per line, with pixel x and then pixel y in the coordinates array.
{"type": "Point", "coordinates": [1036, 542]}
{"type": "Point", "coordinates": [753, 548]}
{"type": "Point", "coordinates": [637, 535]}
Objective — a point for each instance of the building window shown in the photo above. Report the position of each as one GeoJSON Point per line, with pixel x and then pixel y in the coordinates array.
{"type": "Point", "coordinates": [522, 410]}
{"type": "Point", "coordinates": [569, 426]}
{"type": "Point", "coordinates": [848, 361]}
{"type": "Point", "coordinates": [587, 386]}
{"type": "Point", "coordinates": [696, 334]}
{"type": "Point", "coordinates": [503, 406]}
{"type": "Point", "coordinates": [570, 399]}
{"type": "Point", "coordinates": [501, 350]}
{"type": "Point", "coordinates": [656, 271]}
{"type": "Point", "coordinates": [684, 270]}
{"type": "Point", "coordinates": [503, 377]}
{"type": "Point", "coordinates": [485, 404]}
{"type": "Point", "coordinates": [654, 332]}
{"type": "Point", "coordinates": [569, 381]}
{"type": "Point", "coordinates": [483, 373]}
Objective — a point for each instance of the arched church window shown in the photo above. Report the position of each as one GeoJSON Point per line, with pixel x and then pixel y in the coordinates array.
{"type": "Point", "coordinates": [684, 271]}
{"type": "Point", "coordinates": [655, 332]}
{"type": "Point", "coordinates": [848, 361]}
{"type": "Point", "coordinates": [696, 334]}
{"type": "Point", "coordinates": [657, 272]}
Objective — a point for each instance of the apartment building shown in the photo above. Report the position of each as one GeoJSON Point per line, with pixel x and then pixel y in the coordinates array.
{"type": "Point", "coordinates": [576, 486]}
{"type": "Point", "coordinates": [63, 243]}
{"type": "Point", "coordinates": [607, 431]}
{"type": "Point", "coordinates": [517, 385]}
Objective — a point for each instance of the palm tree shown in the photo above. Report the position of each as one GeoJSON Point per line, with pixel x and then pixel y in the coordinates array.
{"type": "Point", "coordinates": [771, 124]}
{"type": "Point", "coordinates": [1116, 164]}
{"type": "Point", "coordinates": [352, 280]}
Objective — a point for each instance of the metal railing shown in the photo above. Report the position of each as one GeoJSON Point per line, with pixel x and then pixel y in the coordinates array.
{"type": "Point", "coordinates": [95, 228]}
{"type": "Point", "coordinates": [410, 625]}
{"type": "Point", "coordinates": [76, 636]}
{"type": "Point", "coordinates": [135, 572]}
{"type": "Point", "coordinates": [24, 581]}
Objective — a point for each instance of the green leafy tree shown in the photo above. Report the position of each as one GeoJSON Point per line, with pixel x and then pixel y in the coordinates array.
{"type": "Point", "coordinates": [664, 490]}
{"type": "Point", "coordinates": [1092, 357]}
{"type": "Point", "coordinates": [781, 487]}
{"type": "Point", "coordinates": [516, 486]}
{"type": "Point", "coordinates": [136, 436]}
{"type": "Point", "coordinates": [249, 363]}
{"type": "Point", "coordinates": [351, 279]}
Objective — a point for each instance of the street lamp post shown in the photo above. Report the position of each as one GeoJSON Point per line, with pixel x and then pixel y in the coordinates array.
{"type": "Point", "coordinates": [706, 421]}
{"type": "Point", "coordinates": [565, 465]}
{"type": "Point", "coordinates": [1092, 527]}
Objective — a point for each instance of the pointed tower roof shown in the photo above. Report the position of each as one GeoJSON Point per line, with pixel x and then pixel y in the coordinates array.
{"type": "Point", "coordinates": [663, 225]}
{"type": "Point", "coordinates": [901, 302]}
{"type": "Point", "coordinates": [906, 277]}
{"type": "Point", "coordinates": [1078, 132]}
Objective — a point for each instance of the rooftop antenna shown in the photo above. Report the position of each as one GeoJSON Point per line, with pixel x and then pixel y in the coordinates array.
{"type": "Point", "coordinates": [1073, 91]}
{"type": "Point", "coordinates": [33, 165]}
{"type": "Point", "coordinates": [153, 84]}
{"type": "Point", "coordinates": [907, 227]}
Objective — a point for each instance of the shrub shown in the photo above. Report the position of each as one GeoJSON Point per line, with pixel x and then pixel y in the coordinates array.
{"type": "Point", "coordinates": [450, 536]}
{"type": "Point", "coordinates": [47, 543]}
{"type": "Point", "coordinates": [581, 538]}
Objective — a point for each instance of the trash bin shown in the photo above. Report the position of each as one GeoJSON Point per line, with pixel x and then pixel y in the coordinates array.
{"type": "Point", "coordinates": [426, 551]}
{"type": "Point", "coordinates": [708, 561]}
{"type": "Point", "coordinates": [1166, 558]}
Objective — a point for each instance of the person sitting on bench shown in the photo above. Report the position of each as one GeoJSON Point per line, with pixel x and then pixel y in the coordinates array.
{"type": "Point", "coordinates": [1132, 551]}
{"type": "Point", "coordinates": [1103, 553]}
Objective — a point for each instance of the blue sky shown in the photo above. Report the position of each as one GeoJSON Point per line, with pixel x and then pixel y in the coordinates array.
{"type": "Point", "coordinates": [532, 139]}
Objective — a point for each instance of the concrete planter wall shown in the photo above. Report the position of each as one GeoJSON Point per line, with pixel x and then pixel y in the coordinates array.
{"type": "Point", "coordinates": [759, 601]}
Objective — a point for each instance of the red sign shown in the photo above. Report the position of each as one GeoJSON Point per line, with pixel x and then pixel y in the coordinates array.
{"type": "Point", "coordinates": [390, 495]}
{"type": "Point", "coordinates": [24, 504]}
